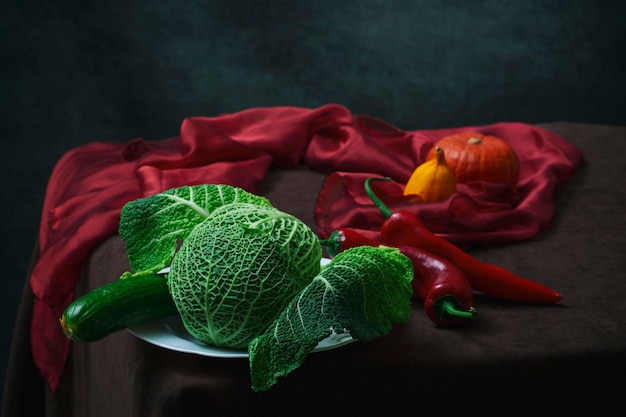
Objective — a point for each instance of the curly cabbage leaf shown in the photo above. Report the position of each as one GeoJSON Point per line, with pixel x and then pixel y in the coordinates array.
{"type": "Point", "coordinates": [237, 271]}
{"type": "Point", "coordinates": [152, 227]}
{"type": "Point", "coordinates": [297, 239]}
{"type": "Point", "coordinates": [363, 290]}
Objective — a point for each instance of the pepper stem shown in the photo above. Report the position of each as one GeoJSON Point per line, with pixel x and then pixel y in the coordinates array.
{"type": "Point", "coordinates": [447, 308]}
{"type": "Point", "coordinates": [332, 244]}
{"type": "Point", "coordinates": [375, 199]}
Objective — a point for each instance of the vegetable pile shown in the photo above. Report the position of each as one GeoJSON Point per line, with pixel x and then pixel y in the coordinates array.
{"type": "Point", "coordinates": [243, 274]}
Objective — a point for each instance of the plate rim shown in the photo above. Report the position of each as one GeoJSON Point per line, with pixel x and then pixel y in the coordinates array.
{"type": "Point", "coordinates": [159, 333]}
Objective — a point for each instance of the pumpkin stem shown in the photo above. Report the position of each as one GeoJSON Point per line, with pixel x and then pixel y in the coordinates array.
{"type": "Point", "coordinates": [474, 141]}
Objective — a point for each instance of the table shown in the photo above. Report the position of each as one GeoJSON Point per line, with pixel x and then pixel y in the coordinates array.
{"type": "Point", "coordinates": [514, 360]}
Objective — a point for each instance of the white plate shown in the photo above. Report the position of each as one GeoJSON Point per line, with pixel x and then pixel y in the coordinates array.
{"type": "Point", "coordinates": [171, 334]}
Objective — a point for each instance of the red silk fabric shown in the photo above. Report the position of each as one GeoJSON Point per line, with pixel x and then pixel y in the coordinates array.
{"type": "Point", "coordinates": [478, 212]}
{"type": "Point", "coordinates": [90, 184]}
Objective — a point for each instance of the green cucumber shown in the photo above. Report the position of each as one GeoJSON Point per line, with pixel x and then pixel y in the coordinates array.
{"type": "Point", "coordinates": [116, 306]}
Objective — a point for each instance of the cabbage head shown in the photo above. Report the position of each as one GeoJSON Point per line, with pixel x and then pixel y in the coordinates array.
{"type": "Point", "coordinates": [238, 270]}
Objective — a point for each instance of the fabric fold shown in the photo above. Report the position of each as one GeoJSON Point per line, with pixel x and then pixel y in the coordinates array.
{"type": "Point", "coordinates": [478, 212]}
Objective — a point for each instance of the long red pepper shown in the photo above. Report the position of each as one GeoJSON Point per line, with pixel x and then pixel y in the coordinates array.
{"type": "Point", "coordinates": [447, 295]}
{"type": "Point", "coordinates": [403, 227]}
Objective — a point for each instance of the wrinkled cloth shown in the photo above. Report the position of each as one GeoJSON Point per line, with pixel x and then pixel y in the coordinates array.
{"type": "Point", "coordinates": [90, 184]}
{"type": "Point", "coordinates": [478, 212]}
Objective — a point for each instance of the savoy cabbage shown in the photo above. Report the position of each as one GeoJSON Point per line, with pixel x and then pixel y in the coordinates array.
{"type": "Point", "coordinates": [237, 270]}
{"type": "Point", "coordinates": [245, 274]}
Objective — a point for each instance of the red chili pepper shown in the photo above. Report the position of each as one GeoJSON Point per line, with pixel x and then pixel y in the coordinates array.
{"type": "Point", "coordinates": [404, 228]}
{"type": "Point", "coordinates": [447, 295]}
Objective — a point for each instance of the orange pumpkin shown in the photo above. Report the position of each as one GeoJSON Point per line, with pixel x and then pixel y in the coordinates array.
{"type": "Point", "coordinates": [473, 156]}
{"type": "Point", "coordinates": [432, 181]}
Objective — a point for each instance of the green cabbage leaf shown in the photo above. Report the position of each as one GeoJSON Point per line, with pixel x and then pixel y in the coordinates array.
{"type": "Point", "coordinates": [153, 227]}
{"type": "Point", "coordinates": [363, 290]}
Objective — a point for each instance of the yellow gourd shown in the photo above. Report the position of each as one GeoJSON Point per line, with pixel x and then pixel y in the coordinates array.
{"type": "Point", "coordinates": [432, 181]}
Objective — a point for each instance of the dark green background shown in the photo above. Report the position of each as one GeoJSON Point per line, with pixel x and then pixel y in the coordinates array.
{"type": "Point", "coordinates": [73, 72]}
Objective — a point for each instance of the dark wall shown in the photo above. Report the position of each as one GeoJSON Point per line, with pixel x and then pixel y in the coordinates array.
{"type": "Point", "coordinates": [73, 72]}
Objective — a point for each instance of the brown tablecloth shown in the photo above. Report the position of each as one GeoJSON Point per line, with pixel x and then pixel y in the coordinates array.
{"type": "Point", "coordinates": [514, 360]}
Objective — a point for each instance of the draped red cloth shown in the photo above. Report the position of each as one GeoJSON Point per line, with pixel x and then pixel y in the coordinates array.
{"type": "Point", "coordinates": [90, 184]}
